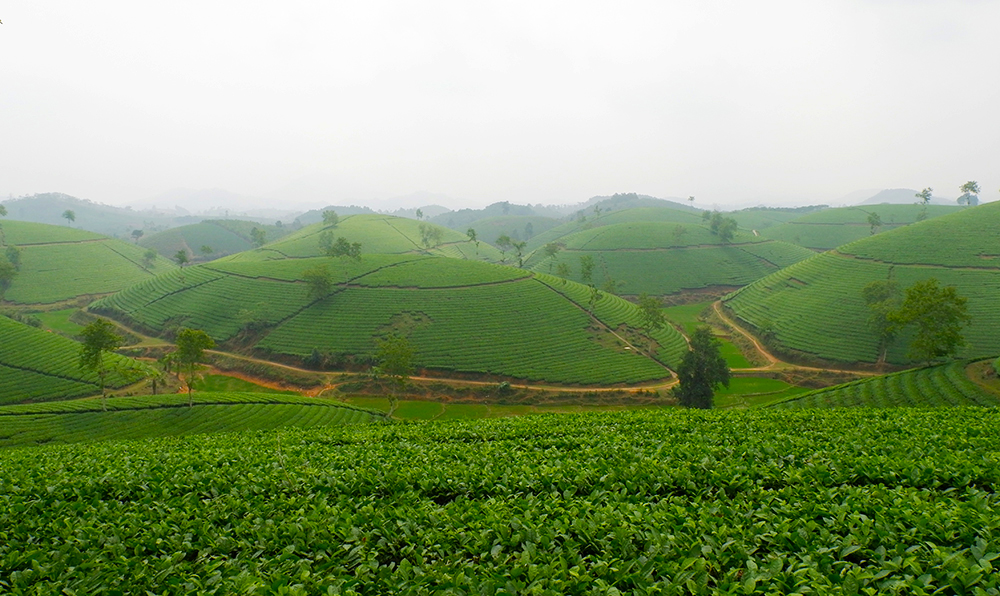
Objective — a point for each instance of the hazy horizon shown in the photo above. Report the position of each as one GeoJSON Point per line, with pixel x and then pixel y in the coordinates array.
{"type": "Point", "coordinates": [308, 104]}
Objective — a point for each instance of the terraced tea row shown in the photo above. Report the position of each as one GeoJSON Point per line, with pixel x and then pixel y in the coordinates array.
{"type": "Point", "coordinates": [59, 263]}
{"type": "Point", "coordinates": [35, 365]}
{"type": "Point", "coordinates": [167, 416]}
{"type": "Point", "coordinates": [461, 316]}
{"type": "Point", "coordinates": [830, 228]}
{"type": "Point", "coordinates": [660, 258]}
{"type": "Point", "coordinates": [936, 386]}
{"type": "Point", "coordinates": [815, 307]}
{"type": "Point", "coordinates": [845, 501]}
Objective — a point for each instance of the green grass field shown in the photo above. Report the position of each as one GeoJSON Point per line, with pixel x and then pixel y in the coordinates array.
{"type": "Point", "coordinates": [665, 258]}
{"type": "Point", "coordinates": [740, 502]}
{"type": "Point", "coordinates": [686, 316]}
{"type": "Point", "coordinates": [461, 316]}
{"type": "Point", "coordinates": [936, 386]}
{"type": "Point", "coordinates": [59, 263]}
{"type": "Point", "coordinates": [815, 307]}
{"type": "Point", "coordinates": [750, 392]}
{"type": "Point", "coordinates": [151, 416]}
{"type": "Point", "coordinates": [36, 365]}
{"type": "Point", "coordinates": [831, 228]}
{"type": "Point", "coordinates": [58, 320]}
{"type": "Point", "coordinates": [227, 384]}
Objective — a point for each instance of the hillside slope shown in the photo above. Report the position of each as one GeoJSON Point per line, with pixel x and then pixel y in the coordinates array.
{"type": "Point", "coordinates": [815, 307]}
{"type": "Point", "coordinates": [222, 236]}
{"type": "Point", "coordinates": [461, 316]}
{"type": "Point", "coordinates": [662, 258]}
{"type": "Point", "coordinates": [831, 228]}
{"type": "Point", "coordinates": [38, 366]}
{"type": "Point", "coordinates": [59, 263]}
{"type": "Point", "coordinates": [382, 234]}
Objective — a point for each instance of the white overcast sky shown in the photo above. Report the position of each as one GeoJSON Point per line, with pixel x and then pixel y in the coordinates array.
{"type": "Point", "coordinates": [734, 102]}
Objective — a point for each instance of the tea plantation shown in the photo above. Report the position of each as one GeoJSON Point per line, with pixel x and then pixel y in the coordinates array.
{"type": "Point", "coordinates": [758, 501]}
{"type": "Point", "coordinates": [223, 236]}
{"type": "Point", "coordinates": [935, 386]}
{"type": "Point", "coordinates": [665, 258]}
{"type": "Point", "coordinates": [590, 220]}
{"type": "Point", "coordinates": [60, 263]}
{"type": "Point", "coordinates": [461, 316]}
{"type": "Point", "coordinates": [383, 234]}
{"type": "Point", "coordinates": [168, 415]}
{"type": "Point", "coordinates": [36, 365]}
{"type": "Point", "coordinates": [815, 307]}
{"type": "Point", "coordinates": [831, 228]}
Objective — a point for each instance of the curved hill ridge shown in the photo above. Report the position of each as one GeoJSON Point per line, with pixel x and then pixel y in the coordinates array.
{"type": "Point", "coordinates": [830, 228]}
{"type": "Point", "coordinates": [223, 236]}
{"type": "Point", "coordinates": [382, 234]}
{"type": "Point", "coordinates": [666, 258]}
{"type": "Point", "coordinates": [815, 308]}
{"type": "Point", "coordinates": [59, 263]}
{"type": "Point", "coordinates": [461, 316]}
{"type": "Point", "coordinates": [590, 220]}
{"type": "Point", "coordinates": [36, 365]}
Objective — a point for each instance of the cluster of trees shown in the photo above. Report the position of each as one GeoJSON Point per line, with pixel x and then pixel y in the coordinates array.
{"type": "Point", "coordinates": [505, 243]}
{"type": "Point", "coordinates": [100, 339]}
{"type": "Point", "coordinates": [723, 227]}
{"type": "Point", "coordinates": [936, 313]}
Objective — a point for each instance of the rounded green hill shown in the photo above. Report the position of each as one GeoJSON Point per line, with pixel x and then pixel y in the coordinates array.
{"type": "Point", "coordinates": [222, 236]}
{"type": "Point", "coordinates": [60, 263]}
{"type": "Point", "coordinates": [461, 316]}
{"type": "Point", "coordinates": [658, 257]}
{"type": "Point", "coordinates": [814, 308]}
{"type": "Point", "coordinates": [382, 234]}
{"type": "Point", "coordinates": [830, 228]}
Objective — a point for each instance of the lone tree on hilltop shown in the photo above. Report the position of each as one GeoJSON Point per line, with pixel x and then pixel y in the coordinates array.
{"type": "Point", "coordinates": [970, 194]}
{"type": "Point", "coordinates": [99, 340]}
{"type": "Point", "coordinates": [883, 299]}
{"type": "Point", "coordinates": [181, 257]}
{"type": "Point", "coordinates": [939, 315]}
{"type": "Point", "coordinates": [702, 371]}
{"type": "Point", "coordinates": [69, 216]}
{"type": "Point", "coordinates": [925, 199]}
{"type": "Point", "coordinates": [394, 355]}
{"type": "Point", "coordinates": [191, 346]}
{"type": "Point", "coordinates": [330, 218]}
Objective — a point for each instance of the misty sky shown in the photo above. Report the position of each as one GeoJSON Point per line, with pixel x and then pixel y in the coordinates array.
{"type": "Point", "coordinates": [528, 101]}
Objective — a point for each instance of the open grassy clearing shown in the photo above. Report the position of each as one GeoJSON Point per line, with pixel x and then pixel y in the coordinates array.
{"type": "Point", "coordinates": [830, 228]}
{"type": "Point", "coordinates": [936, 386]}
{"type": "Point", "coordinates": [666, 258]}
{"type": "Point", "coordinates": [59, 263]}
{"type": "Point", "coordinates": [814, 308]}
{"type": "Point", "coordinates": [461, 316]}
{"type": "Point", "coordinates": [687, 316]}
{"type": "Point", "coordinates": [59, 321]}
{"type": "Point", "coordinates": [36, 365]}
{"type": "Point", "coordinates": [381, 234]}
{"type": "Point", "coordinates": [756, 501]}
{"type": "Point", "coordinates": [167, 416]}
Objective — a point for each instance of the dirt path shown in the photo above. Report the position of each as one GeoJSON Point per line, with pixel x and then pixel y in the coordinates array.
{"type": "Point", "coordinates": [775, 363]}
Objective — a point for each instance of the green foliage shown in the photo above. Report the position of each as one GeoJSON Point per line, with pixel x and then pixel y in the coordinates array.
{"type": "Point", "coordinates": [181, 258]}
{"type": "Point", "coordinates": [944, 385]}
{"type": "Point", "coordinates": [69, 215]}
{"type": "Point", "coordinates": [191, 346]}
{"type": "Point", "coordinates": [938, 314]}
{"type": "Point", "coordinates": [7, 274]}
{"type": "Point", "coordinates": [775, 502]}
{"type": "Point", "coordinates": [148, 416]}
{"type": "Point", "coordinates": [394, 355]}
{"type": "Point", "coordinates": [586, 268]}
{"type": "Point", "coordinates": [875, 222]}
{"type": "Point", "coordinates": [815, 306]}
{"type": "Point", "coordinates": [883, 300]}
{"type": "Point", "coordinates": [37, 365]}
{"type": "Point", "coordinates": [258, 237]}
{"type": "Point", "coordinates": [970, 194]}
{"type": "Point", "coordinates": [13, 255]}
{"type": "Point", "coordinates": [99, 340]}
{"type": "Point", "coordinates": [330, 218]}
{"type": "Point", "coordinates": [340, 247]}
{"type": "Point", "coordinates": [830, 228]}
{"type": "Point", "coordinates": [319, 280]}
{"type": "Point", "coordinates": [702, 370]}
{"type": "Point", "coordinates": [430, 235]}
